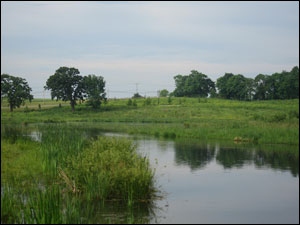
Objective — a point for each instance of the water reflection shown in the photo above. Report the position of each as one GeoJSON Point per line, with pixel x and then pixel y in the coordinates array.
{"type": "Point", "coordinates": [234, 157]}
{"type": "Point", "coordinates": [197, 156]}
{"type": "Point", "coordinates": [115, 212]}
{"type": "Point", "coordinates": [277, 160]}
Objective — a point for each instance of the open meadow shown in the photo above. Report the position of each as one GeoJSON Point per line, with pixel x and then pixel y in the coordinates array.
{"type": "Point", "coordinates": [268, 122]}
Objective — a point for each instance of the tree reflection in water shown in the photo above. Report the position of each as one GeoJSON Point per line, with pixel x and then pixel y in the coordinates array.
{"type": "Point", "coordinates": [197, 156]}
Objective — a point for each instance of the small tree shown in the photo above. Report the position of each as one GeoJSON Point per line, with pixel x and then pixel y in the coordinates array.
{"type": "Point", "coordinates": [137, 95]}
{"type": "Point", "coordinates": [94, 87]}
{"type": "Point", "coordinates": [16, 90]}
{"type": "Point", "coordinates": [164, 93]}
{"type": "Point", "coordinates": [66, 84]}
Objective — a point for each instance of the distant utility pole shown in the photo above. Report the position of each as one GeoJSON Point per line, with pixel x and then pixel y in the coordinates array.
{"type": "Point", "coordinates": [107, 93]}
{"type": "Point", "coordinates": [136, 86]}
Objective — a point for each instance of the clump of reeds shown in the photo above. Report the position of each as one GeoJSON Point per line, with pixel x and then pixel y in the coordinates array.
{"type": "Point", "coordinates": [110, 168]}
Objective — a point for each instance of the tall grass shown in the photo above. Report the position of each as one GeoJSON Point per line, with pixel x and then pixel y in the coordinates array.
{"type": "Point", "coordinates": [110, 168]}
{"type": "Point", "coordinates": [65, 170]}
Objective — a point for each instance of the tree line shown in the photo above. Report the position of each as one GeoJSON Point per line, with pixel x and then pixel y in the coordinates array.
{"type": "Point", "coordinates": [284, 85]}
{"type": "Point", "coordinates": [68, 85]}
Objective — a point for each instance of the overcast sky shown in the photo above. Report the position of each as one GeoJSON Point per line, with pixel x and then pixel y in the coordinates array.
{"type": "Point", "coordinates": [147, 42]}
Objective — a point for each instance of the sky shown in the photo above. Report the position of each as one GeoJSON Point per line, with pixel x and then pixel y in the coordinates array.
{"type": "Point", "coordinates": [143, 45]}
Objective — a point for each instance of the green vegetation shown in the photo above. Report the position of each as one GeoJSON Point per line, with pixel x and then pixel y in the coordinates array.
{"type": "Point", "coordinates": [94, 88]}
{"type": "Point", "coordinates": [67, 85]}
{"type": "Point", "coordinates": [284, 85]}
{"type": "Point", "coordinates": [195, 84]}
{"type": "Point", "coordinates": [15, 90]}
{"type": "Point", "coordinates": [163, 93]}
{"type": "Point", "coordinates": [58, 179]}
{"type": "Point", "coordinates": [273, 121]}
{"type": "Point", "coordinates": [137, 95]}
{"type": "Point", "coordinates": [69, 175]}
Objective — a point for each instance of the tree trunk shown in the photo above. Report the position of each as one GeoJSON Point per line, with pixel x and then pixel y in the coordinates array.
{"type": "Point", "coordinates": [73, 106]}
{"type": "Point", "coordinates": [11, 107]}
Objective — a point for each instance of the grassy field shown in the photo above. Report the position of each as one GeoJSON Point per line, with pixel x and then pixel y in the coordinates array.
{"type": "Point", "coordinates": [269, 122]}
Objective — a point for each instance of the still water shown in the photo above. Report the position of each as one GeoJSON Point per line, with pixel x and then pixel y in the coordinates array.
{"type": "Point", "coordinates": [213, 183]}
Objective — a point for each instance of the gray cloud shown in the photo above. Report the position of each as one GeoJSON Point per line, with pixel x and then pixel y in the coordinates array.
{"type": "Point", "coordinates": [148, 42]}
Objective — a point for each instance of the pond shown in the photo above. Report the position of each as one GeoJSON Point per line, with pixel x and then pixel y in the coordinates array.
{"type": "Point", "coordinates": [213, 182]}
{"type": "Point", "coordinates": [223, 183]}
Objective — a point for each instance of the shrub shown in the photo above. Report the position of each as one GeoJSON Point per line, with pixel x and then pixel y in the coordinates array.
{"type": "Point", "coordinates": [129, 102]}
{"type": "Point", "coordinates": [170, 100]}
{"type": "Point", "coordinates": [293, 114]}
{"type": "Point", "coordinates": [134, 103]}
{"type": "Point", "coordinates": [26, 109]}
{"type": "Point", "coordinates": [186, 125]}
{"type": "Point", "coordinates": [278, 117]}
{"type": "Point", "coordinates": [147, 101]}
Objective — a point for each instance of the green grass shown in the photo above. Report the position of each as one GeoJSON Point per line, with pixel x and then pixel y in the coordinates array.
{"type": "Point", "coordinates": [20, 162]}
{"type": "Point", "coordinates": [275, 121]}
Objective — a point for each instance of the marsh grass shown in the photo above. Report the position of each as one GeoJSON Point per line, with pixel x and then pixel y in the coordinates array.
{"type": "Point", "coordinates": [110, 168]}
{"type": "Point", "coordinates": [48, 181]}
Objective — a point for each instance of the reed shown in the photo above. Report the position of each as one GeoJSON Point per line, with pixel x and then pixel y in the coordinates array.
{"type": "Point", "coordinates": [50, 180]}
{"type": "Point", "coordinates": [110, 168]}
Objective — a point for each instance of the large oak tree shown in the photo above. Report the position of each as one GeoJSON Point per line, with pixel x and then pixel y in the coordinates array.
{"type": "Point", "coordinates": [67, 85]}
{"type": "Point", "coordinates": [16, 90]}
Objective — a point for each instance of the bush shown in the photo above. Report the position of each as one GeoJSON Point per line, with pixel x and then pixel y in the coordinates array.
{"type": "Point", "coordinates": [147, 101]}
{"type": "Point", "coordinates": [278, 117]}
{"type": "Point", "coordinates": [129, 102]}
{"type": "Point", "coordinates": [293, 114]}
{"type": "Point", "coordinates": [134, 103]}
{"type": "Point", "coordinates": [186, 125]}
{"type": "Point", "coordinates": [137, 95]}
{"type": "Point", "coordinates": [169, 135]}
{"type": "Point", "coordinates": [26, 109]}
{"type": "Point", "coordinates": [170, 100]}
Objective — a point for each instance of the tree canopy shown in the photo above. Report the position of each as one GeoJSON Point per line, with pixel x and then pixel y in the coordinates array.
{"type": "Point", "coordinates": [16, 89]}
{"type": "Point", "coordinates": [163, 93]}
{"type": "Point", "coordinates": [284, 85]}
{"type": "Point", "coordinates": [194, 85]}
{"type": "Point", "coordinates": [94, 87]}
{"type": "Point", "coordinates": [67, 85]}
{"type": "Point", "coordinates": [137, 95]}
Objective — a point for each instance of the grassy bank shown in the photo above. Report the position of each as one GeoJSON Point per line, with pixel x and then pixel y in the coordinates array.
{"type": "Point", "coordinates": [275, 121]}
